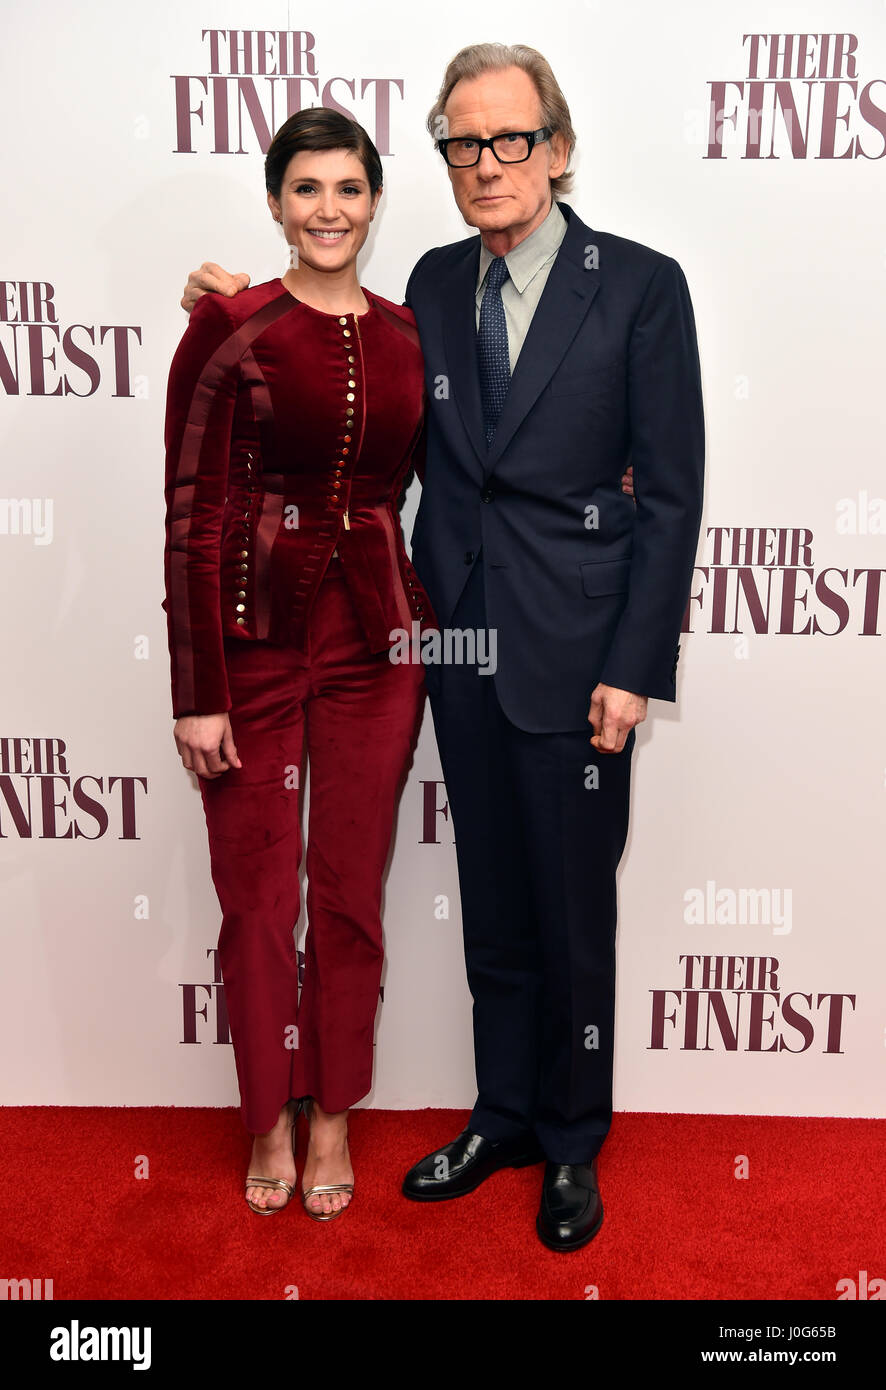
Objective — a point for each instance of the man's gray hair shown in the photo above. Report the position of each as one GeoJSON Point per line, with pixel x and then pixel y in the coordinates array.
{"type": "Point", "coordinates": [478, 58]}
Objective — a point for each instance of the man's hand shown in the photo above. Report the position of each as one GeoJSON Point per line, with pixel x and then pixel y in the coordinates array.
{"type": "Point", "coordinates": [206, 744]}
{"type": "Point", "coordinates": [627, 481]}
{"type": "Point", "coordinates": [211, 277]}
{"type": "Point", "coordinates": [612, 715]}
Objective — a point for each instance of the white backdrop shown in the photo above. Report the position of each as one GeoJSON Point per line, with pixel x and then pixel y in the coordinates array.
{"type": "Point", "coordinates": [758, 800]}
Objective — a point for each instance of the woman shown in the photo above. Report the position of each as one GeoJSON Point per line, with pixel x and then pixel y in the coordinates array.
{"type": "Point", "coordinates": [294, 413]}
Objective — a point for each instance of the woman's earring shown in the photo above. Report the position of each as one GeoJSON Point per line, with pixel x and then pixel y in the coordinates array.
{"type": "Point", "coordinates": [293, 250]}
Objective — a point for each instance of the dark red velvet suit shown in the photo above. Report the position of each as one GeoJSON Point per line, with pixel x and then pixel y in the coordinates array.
{"type": "Point", "coordinates": [289, 433]}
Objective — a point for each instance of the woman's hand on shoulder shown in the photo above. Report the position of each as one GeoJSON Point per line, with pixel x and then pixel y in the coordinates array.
{"type": "Point", "coordinates": [211, 277]}
{"type": "Point", "coordinates": [206, 744]}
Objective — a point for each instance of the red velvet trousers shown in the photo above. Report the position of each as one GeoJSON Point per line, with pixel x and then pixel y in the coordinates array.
{"type": "Point", "coordinates": [356, 714]}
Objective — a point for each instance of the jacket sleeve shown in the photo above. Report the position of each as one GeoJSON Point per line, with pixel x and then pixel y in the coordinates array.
{"type": "Point", "coordinates": [200, 397]}
{"type": "Point", "coordinates": [420, 449]}
{"type": "Point", "coordinates": [667, 451]}
{"type": "Point", "coordinates": [414, 273]}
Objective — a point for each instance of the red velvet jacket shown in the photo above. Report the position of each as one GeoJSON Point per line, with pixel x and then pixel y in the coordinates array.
{"type": "Point", "coordinates": [289, 433]}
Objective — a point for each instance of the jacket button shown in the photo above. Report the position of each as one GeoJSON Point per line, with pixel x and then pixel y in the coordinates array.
{"type": "Point", "coordinates": [487, 494]}
{"type": "Point", "coordinates": [469, 557]}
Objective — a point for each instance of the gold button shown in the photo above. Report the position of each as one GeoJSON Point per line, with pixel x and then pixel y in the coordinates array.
{"type": "Point", "coordinates": [350, 396]}
{"type": "Point", "coordinates": [347, 441]}
{"type": "Point", "coordinates": [241, 593]}
{"type": "Point", "coordinates": [241, 608]}
{"type": "Point", "coordinates": [351, 357]}
{"type": "Point", "coordinates": [244, 554]}
{"type": "Point", "coordinates": [351, 381]}
{"type": "Point", "coordinates": [336, 484]}
{"type": "Point", "coordinates": [350, 410]}
{"type": "Point", "coordinates": [244, 567]}
{"type": "Point", "coordinates": [346, 332]}
{"type": "Point", "coordinates": [342, 320]}
{"type": "Point", "coordinates": [241, 622]}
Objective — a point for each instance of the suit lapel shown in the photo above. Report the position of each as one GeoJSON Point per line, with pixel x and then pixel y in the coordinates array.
{"type": "Point", "coordinates": [460, 335]}
{"type": "Point", "coordinates": [566, 298]}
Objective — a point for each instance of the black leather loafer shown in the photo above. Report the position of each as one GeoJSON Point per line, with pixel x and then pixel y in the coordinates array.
{"type": "Point", "coordinates": [459, 1167]}
{"type": "Point", "coordinates": [570, 1213]}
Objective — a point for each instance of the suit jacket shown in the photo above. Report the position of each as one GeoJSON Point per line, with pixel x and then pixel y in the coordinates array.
{"type": "Point", "coordinates": [582, 583]}
{"type": "Point", "coordinates": [289, 432]}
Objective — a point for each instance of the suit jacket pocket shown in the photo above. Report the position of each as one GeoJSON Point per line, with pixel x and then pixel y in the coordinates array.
{"type": "Point", "coordinates": [599, 577]}
{"type": "Point", "coordinates": [587, 381]}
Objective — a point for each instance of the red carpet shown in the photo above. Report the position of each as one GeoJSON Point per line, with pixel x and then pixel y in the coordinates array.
{"type": "Point", "coordinates": [678, 1224]}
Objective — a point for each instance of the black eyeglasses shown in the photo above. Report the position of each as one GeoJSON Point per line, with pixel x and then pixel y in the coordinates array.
{"type": "Point", "coordinates": [513, 147]}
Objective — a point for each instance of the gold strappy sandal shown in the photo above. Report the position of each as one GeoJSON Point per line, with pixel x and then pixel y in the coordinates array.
{"type": "Point", "coordinates": [324, 1187]}
{"type": "Point", "coordinates": [255, 1180]}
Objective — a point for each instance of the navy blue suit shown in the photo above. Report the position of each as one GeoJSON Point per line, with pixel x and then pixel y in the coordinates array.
{"type": "Point", "coordinates": [534, 538]}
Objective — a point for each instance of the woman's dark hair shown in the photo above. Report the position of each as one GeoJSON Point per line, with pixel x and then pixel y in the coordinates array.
{"type": "Point", "coordinates": [319, 128]}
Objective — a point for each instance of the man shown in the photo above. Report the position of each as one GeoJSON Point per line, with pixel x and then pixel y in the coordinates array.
{"type": "Point", "coordinates": [555, 357]}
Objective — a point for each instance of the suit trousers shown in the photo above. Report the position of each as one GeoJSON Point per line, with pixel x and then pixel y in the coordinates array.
{"type": "Point", "coordinates": [355, 714]}
{"type": "Point", "coordinates": [538, 839]}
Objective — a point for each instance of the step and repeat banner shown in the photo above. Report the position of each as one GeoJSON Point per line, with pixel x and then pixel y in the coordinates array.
{"type": "Point", "coordinates": [748, 141]}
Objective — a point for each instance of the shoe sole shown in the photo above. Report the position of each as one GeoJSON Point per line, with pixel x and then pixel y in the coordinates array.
{"type": "Point", "coordinates": [465, 1191]}
{"type": "Point", "coordinates": [571, 1244]}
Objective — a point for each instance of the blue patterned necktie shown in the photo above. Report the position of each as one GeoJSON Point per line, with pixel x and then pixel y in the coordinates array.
{"type": "Point", "coordinates": [492, 347]}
